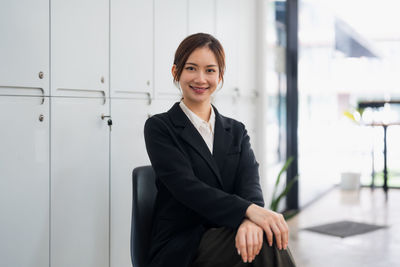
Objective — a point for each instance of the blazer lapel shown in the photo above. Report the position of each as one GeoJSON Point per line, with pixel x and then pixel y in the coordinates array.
{"type": "Point", "coordinates": [190, 134]}
{"type": "Point", "coordinates": [222, 139]}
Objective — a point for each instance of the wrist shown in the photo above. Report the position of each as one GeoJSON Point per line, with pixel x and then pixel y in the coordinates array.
{"type": "Point", "coordinates": [248, 211]}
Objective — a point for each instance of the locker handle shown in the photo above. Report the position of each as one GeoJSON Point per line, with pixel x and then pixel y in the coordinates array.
{"type": "Point", "coordinates": [42, 96]}
{"type": "Point", "coordinates": [22, 91]}
{"type": "Point", "coordinates": [102, 92]}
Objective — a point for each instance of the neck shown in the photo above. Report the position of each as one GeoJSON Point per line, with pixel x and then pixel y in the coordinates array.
{"type": "Point", "coordinates": [201, 109]}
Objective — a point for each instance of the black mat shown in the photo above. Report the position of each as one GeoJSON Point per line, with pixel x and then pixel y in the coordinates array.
{"type": "Point", "coordinates": [344, 228]}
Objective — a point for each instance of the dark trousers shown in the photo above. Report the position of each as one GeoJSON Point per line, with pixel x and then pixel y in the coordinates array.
{"type": "Point", "coordinates": [217, 249]}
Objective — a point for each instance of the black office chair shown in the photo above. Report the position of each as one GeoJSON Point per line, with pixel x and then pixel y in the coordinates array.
{"type": "Point", "coordinates": [144, 195]}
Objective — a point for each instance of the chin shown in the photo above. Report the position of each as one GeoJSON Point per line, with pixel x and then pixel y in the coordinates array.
{"type": "Point", "coordinates": [199, 99]}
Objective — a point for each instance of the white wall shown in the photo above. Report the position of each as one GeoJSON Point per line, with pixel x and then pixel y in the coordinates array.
{"type": "Point", "coordinates": [65, 175]}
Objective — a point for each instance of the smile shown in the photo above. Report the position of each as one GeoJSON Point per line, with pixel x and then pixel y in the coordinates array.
{"type": "Point", "coordinates": [198, 88]}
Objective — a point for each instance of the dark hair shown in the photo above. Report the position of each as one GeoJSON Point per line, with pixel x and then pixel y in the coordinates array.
{"type": "Point", "coordinates": [191, 43]}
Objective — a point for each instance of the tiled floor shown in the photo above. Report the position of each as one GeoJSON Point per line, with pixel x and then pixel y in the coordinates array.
{"type": "Point", "coordinates": [380, 248]}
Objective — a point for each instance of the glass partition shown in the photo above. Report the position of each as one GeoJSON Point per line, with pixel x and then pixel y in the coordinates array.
{"type": "Point", "coordinates": [349, 52]}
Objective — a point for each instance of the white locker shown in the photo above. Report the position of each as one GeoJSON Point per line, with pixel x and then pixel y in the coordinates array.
{"type": "Point", "coordinates": [201, 16]}
{"type": "Point", "coordinates": [132, 48]}
{"type": "Point", "coordinates": [128, 151]}
{"type": "Point", "coordinates": [163, 105]}
{"type": "Point", "coordinates": [24, 47]}
{"type": "Point", "coordinates": [79, 183]}
{"type": "Point", "coordinates": [80, 48]}
{"type": "Point", "coordinates": [24, 181]}
{"type": "Point", "coordinates": [170, 29]}
{"type": "Point", "coordinates": [65, 179]}
{"type": "Point", "coordinates": [247, 54]}
{"type": "Point", "coordinates": [227, 32]}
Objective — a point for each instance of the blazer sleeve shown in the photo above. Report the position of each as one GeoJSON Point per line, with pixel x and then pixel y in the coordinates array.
{"type": "Point", "coordinates": [174, 170]}
{"type": "Point", "coordinates": [247, 183]}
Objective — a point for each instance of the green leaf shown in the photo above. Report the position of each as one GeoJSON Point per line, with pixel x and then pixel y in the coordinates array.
{"type": "Point", "coordinates": [284, 193]}
{"type": "Point", "coordinates": [278, 179]}
{"type": "Point", "coordinates": [349, 115]}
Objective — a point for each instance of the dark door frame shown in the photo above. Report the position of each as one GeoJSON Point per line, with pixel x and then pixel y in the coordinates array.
{"type": "Point", "coordinates": [292, 199]}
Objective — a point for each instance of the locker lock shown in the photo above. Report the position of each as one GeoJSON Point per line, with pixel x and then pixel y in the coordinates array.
{"type": "Point", "coordinates": [109, 121]}
{"type": "Point", "coordinates": [41, 117]}
{"type": "Point", "coordinates": [41, 75]}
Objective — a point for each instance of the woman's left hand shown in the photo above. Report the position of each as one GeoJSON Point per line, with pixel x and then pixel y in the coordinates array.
{"type": "Point", "coordinates": [249, 240]}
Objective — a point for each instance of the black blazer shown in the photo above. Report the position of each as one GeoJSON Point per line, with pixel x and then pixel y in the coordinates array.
{"type": "Point", "coordinates": [196, 189]}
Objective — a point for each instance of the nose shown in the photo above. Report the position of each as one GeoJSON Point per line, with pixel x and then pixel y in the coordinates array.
{"type": "Point", "coordinates": [200, 77]}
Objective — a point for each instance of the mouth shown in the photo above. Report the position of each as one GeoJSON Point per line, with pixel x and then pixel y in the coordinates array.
{"type": "Point", "coordinates": [199, 89]}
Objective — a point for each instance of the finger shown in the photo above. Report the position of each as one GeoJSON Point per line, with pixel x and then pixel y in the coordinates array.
{"type": "Point", "coordinates": [284, 230]}
{"type": "Point", "coordinates": [256, 244]}
{"type": "Point", "coordinates": [278, 235]}
{"type": "Point", "coordinates": [249, 243]}
{"type": "Point", "coordinates": [269, 235]}
{"type": "Point", "coordinates": [285, 236]}
{"type": "Point", "coordinates": [242, 247]}
{"type": "Point", "coordinates": [261, 240]}
{"type": "Point", "coordinates": [287, 231]}
{"type": "Point", "coordinates": [237, 244]}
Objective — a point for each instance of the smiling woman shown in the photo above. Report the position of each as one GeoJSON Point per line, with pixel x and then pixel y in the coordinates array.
{"type": "Point", "coordinates": [209, 206]}
{"type": "Point", "coordinates": [199, 67]}
{"type": "Point", "coordinates": [199, 78]}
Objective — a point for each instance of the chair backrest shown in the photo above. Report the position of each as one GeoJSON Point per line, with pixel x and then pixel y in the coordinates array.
{"type": "Point", "coordinates": [144, 195]}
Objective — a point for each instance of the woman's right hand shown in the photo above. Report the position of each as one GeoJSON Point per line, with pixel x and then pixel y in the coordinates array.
{"type": "Point", "coordinates": [272, 223]}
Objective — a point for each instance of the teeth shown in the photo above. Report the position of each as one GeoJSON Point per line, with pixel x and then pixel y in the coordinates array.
{"type": "Point", "coordinates": [199, 88]}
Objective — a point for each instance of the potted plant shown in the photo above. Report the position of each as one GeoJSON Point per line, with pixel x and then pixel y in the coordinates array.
{"type": "Point", "coordinates": [350, 178]}
{"type": "Point", "coordinates": [277, 197]}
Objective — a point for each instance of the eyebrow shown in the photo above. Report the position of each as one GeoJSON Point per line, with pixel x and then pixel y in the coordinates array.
{"type": "Point", "coordinates": [194, 64]}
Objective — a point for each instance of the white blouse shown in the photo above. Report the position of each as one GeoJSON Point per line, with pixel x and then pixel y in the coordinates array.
{"type": "Point", "coordinates": [206, 129]}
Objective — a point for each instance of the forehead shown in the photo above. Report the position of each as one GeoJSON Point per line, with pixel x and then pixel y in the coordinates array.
{"type": "Point", "coordinates": [202, 56]}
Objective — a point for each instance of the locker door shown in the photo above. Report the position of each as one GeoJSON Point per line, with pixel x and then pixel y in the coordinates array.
{"type": "Point", "coordinates": [79, 183]}
{"type": "Point", "coordinates": [127, 152]}
{"type": "Point", "coordinates": [131, 48]}
{"type": "Point", "coordinates": [227, 28]}
{"type": "Point", "coordinates": [170, 29]}
{"type": "Point", "coordinates": [24, 181]}
{"type": "Point", "coordinates": [79, 47]}
{"type": "Point", "coordinates": [201, 17]}
{"type": "Point", "coordinates": [247, 54]}
{"type": "Point", "coordinates": [24, 47]}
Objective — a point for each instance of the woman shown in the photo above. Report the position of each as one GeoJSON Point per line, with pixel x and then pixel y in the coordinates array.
{"type": "Point", "coordinates": [208, 209]}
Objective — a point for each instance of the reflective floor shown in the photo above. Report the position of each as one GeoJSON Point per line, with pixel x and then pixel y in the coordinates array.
{"type": "Point", "coordinates": [380, 248]}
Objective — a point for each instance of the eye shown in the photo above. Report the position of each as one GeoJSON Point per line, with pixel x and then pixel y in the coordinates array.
{"type": "Point", "coordinates": [210, 70]}
{"type": "Point", "coordinates": [189, 68]}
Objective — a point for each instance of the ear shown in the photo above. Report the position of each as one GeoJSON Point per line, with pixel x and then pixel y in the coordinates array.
{"type": "Point", "coordinates": [173, 70]}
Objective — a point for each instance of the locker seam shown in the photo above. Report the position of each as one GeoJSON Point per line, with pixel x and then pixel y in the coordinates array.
{"type": "Point", "coordinates": [187, 17]}
{"type": "Point", "coordinates": [215, 18]}
{"type": "Point", "coordinates": [50, 135]}
{"type": "Point", "coordinates": [109, 136]}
